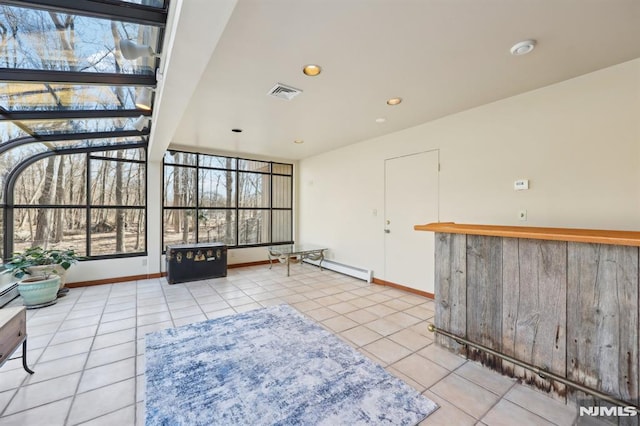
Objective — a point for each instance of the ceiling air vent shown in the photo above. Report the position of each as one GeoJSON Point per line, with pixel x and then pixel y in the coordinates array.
{"type": "Point", "coordinates": [284, 92]}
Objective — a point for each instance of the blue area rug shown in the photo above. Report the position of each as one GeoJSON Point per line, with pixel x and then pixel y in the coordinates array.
{"type": "Point", "coordinates": [270, 366]}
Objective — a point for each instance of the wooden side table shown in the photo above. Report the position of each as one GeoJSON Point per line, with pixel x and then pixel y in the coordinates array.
{"type": "Point", "coordinates": [13, 332]}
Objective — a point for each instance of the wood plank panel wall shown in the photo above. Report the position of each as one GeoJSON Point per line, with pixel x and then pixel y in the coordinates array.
{"type": "Point", "coordinates": [534, 309]}
{"type": "Point", "coordinates": [451, 271]}
{"type": "Point", "coordinates": [484, 315]}
{"type": "Point", "coordinates": [570, 308]}
{"type": "Point", "coordinates": [602, 318]}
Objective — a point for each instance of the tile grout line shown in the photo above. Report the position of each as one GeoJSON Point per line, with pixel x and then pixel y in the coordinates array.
{"type": "Point", "coordinates": [501, 397]}
{"type": "Point", "coordinates": [250, 280]}
{"type": "Point", "coordinates": [135, 362]}
{"type": "Point", "coordinates": [338, 334]}
{"type": "Point", "coordinates": [73, 399]}
{"type": "Point", "coordinates": [517, 382]}
{"type": "Point", "coordinates": [22, 382]}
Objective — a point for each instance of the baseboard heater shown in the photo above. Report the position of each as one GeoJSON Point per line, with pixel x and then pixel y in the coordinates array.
{"type": "Point", "coordinates": [362, 274]}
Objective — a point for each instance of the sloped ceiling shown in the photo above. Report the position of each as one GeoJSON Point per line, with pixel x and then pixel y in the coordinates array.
{"type": "Point", "coordinates": [440, 56]}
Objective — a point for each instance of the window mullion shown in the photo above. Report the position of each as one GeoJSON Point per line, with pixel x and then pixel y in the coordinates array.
{"type": "Point", "coordinates": [237, 183]}
{"type": "Point", "coordinates": [196, 222]}
{"type": "Point", "coordinates": [89, 201]}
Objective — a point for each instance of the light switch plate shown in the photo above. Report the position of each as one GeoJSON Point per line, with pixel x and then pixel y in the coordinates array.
{"type": "Point", "coordinates": [521, 184]}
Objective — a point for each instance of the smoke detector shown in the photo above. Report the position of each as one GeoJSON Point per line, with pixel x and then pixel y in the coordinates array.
{"type": "Point", "coordinates": [283, 91]}
{"type": "Point", "coordinates": [523, 47]}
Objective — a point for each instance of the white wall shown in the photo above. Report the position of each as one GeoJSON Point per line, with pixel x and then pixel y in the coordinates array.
{"type": "Point", "coordinates": [578, 142]}
{"type": "Point", "coordinates": [92, 270]}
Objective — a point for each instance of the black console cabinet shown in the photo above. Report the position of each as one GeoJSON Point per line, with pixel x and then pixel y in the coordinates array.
{"type": "Point", "coordinates": [191, 262]}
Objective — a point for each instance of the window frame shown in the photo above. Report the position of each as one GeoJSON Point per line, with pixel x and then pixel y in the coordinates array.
{"type": "Point", "coordinates": [236, 170]}
{"type": "Point", "coordinates": [9, 205]}
{"type": "Point", "coordinates": [124, 12]}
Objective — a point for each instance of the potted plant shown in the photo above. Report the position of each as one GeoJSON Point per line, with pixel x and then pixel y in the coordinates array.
{"type": "Point", "coordinates": [40, 290]}
{"type": "Point", "coordinates": [37, 261]}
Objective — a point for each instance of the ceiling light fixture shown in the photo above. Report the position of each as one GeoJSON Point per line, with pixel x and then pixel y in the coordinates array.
{"type": "Point", "coordinates": [523, 47]}
{"type": "Point", "coordinates": [143, 100]}
{"type": "Point", "coordinates": [298, 141]}
{"type": "Point", "coordinates": [381, 120]}
{"type": "Point", "coordinates": [394, 101]}
{"type": "Point", "coordinates": [311, 70]}
{"type": "Point", "coordinates": [132, 50]}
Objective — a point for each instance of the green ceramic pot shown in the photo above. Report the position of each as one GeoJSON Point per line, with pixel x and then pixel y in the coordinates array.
{"type": "Point", "coordinates": [48, 270]}
{"type": "Point", "coordinates": [39, 291]}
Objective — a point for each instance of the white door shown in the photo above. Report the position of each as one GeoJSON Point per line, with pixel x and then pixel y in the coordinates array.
{"type": "Point", "coordinates": [411, 198]}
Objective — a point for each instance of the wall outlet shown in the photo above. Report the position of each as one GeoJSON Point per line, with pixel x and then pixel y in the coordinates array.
{"type": "Point", "coordinates": [522, 215]}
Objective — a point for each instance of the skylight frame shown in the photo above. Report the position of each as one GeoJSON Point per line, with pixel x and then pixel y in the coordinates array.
{"type": "Point", "coordinates": [58, 97]}
{"type": "Point", "coordinates": [104, 9]}
{"type": "Point", "coordinates": [126, 12]}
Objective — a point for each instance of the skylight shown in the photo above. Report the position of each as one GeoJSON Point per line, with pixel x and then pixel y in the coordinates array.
{"type": "Point", "coordinates": [62, 71]}
{"type": "Point", "coordinates": [65, 83]}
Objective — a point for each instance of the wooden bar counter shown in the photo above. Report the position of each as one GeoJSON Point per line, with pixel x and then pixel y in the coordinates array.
{"type": "Point", "coordinates": [565, 300]}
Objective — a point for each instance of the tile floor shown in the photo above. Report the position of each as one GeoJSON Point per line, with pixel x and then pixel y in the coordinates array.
{"type": "Point", "coordinates": [88, 349]}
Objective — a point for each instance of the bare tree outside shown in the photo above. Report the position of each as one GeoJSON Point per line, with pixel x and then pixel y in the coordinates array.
{"type": "Point", "coordinates": [95, 200]}
{"type": "Point", "coordinates": [233, 204]}
{"type": "Point", "coordinates": [54, 205]}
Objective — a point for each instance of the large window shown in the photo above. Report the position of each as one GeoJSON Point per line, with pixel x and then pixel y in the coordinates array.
{"type": "Point", "coordinates": [234, 201]}
{"type": "Point", "coordinates": [93, 201]}
{"type": "Point", "coordinates": [76, 102]}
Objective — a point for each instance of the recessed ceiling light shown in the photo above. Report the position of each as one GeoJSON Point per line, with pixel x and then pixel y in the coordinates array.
{"type": "Point", "coordinates": [298, 141]}
{"type": "Point", "coordinates": [236, 130]}
{"type": "Point", "coordinates": [381, 120]}
{"type": "Point", "coordinates": [312, 70]}
{"type": "Point", "coordinates": [394, 101]}
{"type": "Point", "coordinates": [523, 47]}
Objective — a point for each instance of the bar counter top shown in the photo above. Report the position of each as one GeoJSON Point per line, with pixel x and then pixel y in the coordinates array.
{"type": "Point", "coordinates": [622, 238]}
